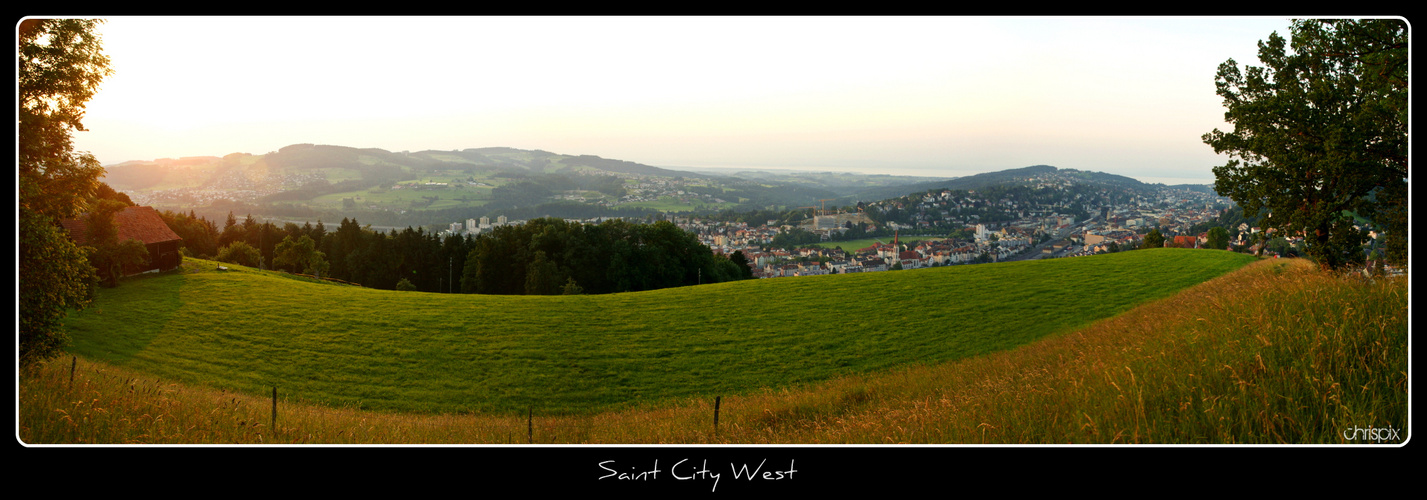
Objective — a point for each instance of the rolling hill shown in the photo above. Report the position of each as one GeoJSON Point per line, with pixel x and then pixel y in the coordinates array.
{"type": "Point", "coordinates": [248, 331]}
{"type": "Point", "coordinates": [1016, 176]}
{"type": "Point", "coordinates": [434, 188]}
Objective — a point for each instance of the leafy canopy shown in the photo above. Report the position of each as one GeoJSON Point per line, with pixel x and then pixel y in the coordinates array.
{"type": "Point", "coordinates": [59, 67]}
{"type": "Point", "coordinates": [55, 275]}
{"type": "Point", "coordinates": [1218, 238]}
{"type": "Point", "coordinates": [1320, 131]}
{"type": "Point", "coordinates": [107, 254]}
{"type": "Point", "coordinates": [1153, 239]}
{"type": "Point", "coordinates": [241, 253]}
{"type": "Point", "coordinates": [302, 253]}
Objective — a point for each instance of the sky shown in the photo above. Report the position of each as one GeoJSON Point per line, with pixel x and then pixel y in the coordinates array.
{"type": "Point", "coordinates": [931, 96]}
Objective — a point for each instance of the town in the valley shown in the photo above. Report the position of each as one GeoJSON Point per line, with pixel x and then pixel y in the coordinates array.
{"type": "Point", "coordinates": [950, 227]}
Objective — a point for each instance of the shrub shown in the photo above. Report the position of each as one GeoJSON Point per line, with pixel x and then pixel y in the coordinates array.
{"type": "Point", "coordinates": [240, 253]}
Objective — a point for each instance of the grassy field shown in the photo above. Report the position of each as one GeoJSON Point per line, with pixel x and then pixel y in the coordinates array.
{"type": "Point", "coordinates": [673, 204]}
{"type": "Point", "coordinates": [398, 199]}
{"type": "Point", "coordinates": [1278, 352]}
{"type": "Point", "coordinates": [854, 245]}
{"type": "Point", "coordinates": [339, 174]}
{"type": "Point", "coordinates": [248, 331]}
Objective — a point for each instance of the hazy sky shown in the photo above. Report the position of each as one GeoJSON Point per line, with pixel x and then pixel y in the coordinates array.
{"type": "Point", "coordinates": [935, 96]}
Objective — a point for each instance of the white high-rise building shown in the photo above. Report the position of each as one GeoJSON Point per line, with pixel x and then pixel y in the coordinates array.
{"type": "Point", "coordinates": [500, 221]}
{"type": "Point", "coordinates": [470, 225]}
{"type": "Point", "coordinates": [485, 222]}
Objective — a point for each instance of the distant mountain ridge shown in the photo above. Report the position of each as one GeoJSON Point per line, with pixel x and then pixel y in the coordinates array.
{"type": "Point", "coordinates": [300, 157]}
{"type": "Point", "coordinates": [313, 156]}
{"type": "Point", "coordinates": [328, 181]}
{"type": "Point", "coordinates": [1034, 173]}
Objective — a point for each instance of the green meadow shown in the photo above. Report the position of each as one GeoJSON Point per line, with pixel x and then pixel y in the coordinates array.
{"type": "Point", "coordinates": [249, 331]}
{"type": "Point", "coordinates": [854, 245]}
{"type": "Point", "coordinates": [674, 204]}
{"type": "Point", "coordinates": [446, 197]}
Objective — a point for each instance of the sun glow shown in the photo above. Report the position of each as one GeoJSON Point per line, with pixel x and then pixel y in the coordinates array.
{"type": "Point", "coordinates": [977, 93]}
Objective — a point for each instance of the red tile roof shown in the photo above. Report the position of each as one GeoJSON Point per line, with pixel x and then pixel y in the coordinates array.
{"type": "Point", "coordinates": [140, 223]}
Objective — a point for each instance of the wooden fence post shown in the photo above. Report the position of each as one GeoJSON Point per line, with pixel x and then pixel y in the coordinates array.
{"type": "Point", "coordinates": [73, 362]}
{"type": "Point", "coordinates": [717, 400]}
{"type": "Point", "coordinates": [530, 425]}
{"type": "Point", "coordinates": [274, 410]}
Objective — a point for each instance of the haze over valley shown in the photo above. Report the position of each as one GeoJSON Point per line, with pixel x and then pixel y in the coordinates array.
{"type": "Point", "coordinates": [878, 95]}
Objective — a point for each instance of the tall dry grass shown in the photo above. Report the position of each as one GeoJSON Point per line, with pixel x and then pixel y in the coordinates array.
{"type": "Point", "coordinates": [1278, 352]}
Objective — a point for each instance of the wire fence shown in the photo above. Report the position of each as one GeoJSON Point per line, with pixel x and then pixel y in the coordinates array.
{"type": "Point", "coordinates": [94, 394]}
{"type": "Point", "coordinates": [332, 280]}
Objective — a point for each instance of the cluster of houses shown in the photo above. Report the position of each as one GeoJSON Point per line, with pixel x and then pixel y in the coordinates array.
{"type": "Point", "coordinates": [1101, 240]}
{"type": "Point", "coordinates": [233, 186]}
{"type": "Point", "coordinates": [1118, 218]}
{"type": "Point", "coordinates": [989, 246]}
{"type": "Point", "coordinates": [649, 188]}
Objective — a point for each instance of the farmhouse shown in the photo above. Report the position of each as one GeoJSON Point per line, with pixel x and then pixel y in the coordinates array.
{"type": "Point", "coordinates": [140, 223]}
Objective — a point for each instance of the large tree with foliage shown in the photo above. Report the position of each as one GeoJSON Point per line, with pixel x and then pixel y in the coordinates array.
{"type": "Point", "coordinates": [301, 253]}
{"type": "Point", "coordinates": [1218, 238]}
{"type": "Point", "coordinates": [241, 253]}
{"type": "Point", "coordinates": [1321, 131]}
{"type": "Point", "coordinates": [60, 65]}
{"type": "Point", "coordinates": [1153, 239]}
{"type": "Point", "coordinates": [107, 253]}
{"type": "Point", "coordinates": [54, 275]}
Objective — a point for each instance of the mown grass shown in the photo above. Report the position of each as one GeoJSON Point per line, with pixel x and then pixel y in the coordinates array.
{"type": "Point", "coordinates": [1279, 352]}
{"type": "Point", "coordinates": [248, 331]}
{"type": "Point", "coordinates": [854, 245]}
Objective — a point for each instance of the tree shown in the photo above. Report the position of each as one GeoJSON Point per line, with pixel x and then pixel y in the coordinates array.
{"type": "Point", "coordinates": [241, 253]}
{"type": "Point", "coordinates": [200, 236]}
{"type": "Point", "coordinates": [1153, 239]}
{"type": "Point", "coordinates": [1281, 246]}
{"type": "Point", "coordinates": [60, 65]}
{"type": "Point", "coordinates": [110, 258]}
{"type": "Point", "coordinates": [54, 276]}
{"type": "Point", "coordinates": [1320, 131]}
{"type": "Point", "coordinates": [301, 253]}
{"type": "Point", "coordinates": [104, 192]}
{"type": "Point", "coordinates": [405, 286]}
{"type": "Point", "coordinates": [108, 254]}
{"type": "Point", "coordinates": [542, 276]}
{"type": "Point", "coordinates": [741, 260]}
{"type": "Point", "coordinates": [572, 288]}
{"type": "Point", "coordinates": [1218, 238]}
